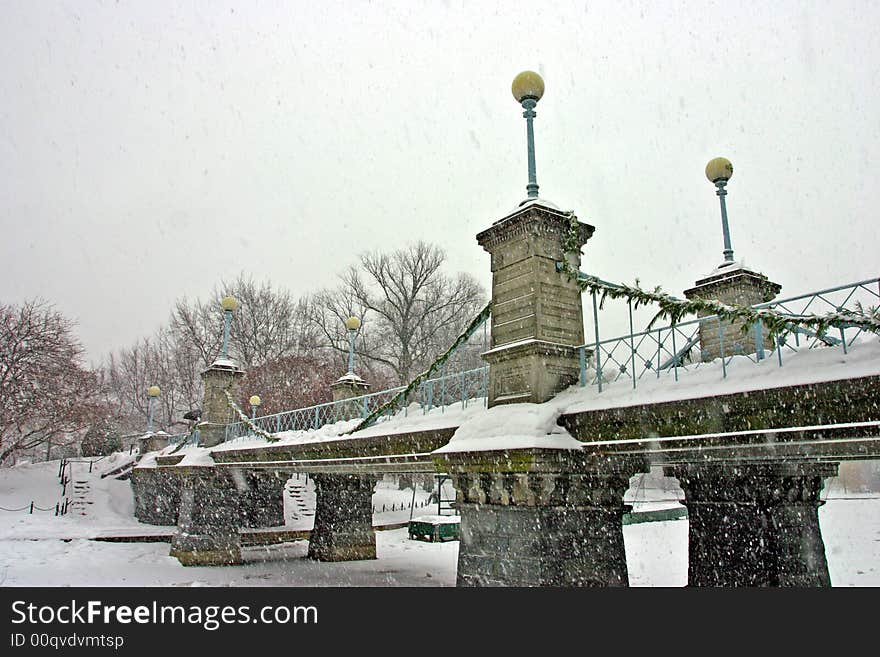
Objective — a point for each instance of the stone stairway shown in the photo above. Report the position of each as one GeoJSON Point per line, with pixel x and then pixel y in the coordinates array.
{"type": "Point", "coordinates": [299, 498]}
{"type": "Point", "coordinates": [80, 496]}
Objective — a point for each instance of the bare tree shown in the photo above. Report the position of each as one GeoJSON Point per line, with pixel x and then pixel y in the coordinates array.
{"type": "Point", "coordinates": [269, 328]}
{"type": "Point", "coordinates": [47, 396]}
{"type": "Point", "coordinates": [289, 382]}
{"type": "Point", "coordinates": [161, 361]}
{"type": "Point", "coordinates": [268, 325]}
{"type": "Point", "coordinates": [411, 310]}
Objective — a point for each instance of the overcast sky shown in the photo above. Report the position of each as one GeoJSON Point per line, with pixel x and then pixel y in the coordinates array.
{"type": "Point", "coordinates": [150, 149]}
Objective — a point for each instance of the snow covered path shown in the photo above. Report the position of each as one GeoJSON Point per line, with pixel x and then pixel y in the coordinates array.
{"type": "Point", "coordinates": [656, 555]}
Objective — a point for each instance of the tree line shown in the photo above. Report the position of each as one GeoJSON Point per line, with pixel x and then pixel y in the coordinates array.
{"type": "Point", "coordinates": [291, 349]}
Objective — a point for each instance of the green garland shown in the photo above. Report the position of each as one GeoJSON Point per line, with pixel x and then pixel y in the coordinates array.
{"type": "Point", "coordinates": [674, 309]}
{"type": "Point", "coordinates": [185, 442]}
{"type": "Point", "coordinates": [244, 418]}
{"type": "Point", "coordinates": [432, 369]}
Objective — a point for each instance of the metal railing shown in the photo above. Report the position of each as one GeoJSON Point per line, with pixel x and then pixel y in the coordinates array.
{"type": "Point", "coordinates": [458, 387]}
{"type": "Point", "coordinates": [441, 392]}
{"type": "Point", "coordinates": [637, 355]}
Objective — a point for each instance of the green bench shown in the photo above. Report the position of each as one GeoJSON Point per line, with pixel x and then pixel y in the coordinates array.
{"type": "Point", "coordinates": [434, 528]}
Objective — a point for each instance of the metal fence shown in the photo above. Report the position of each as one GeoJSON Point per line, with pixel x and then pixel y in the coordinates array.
{"type": "Point", "coordinates": [457, 388]}
{"type": "Point", "coordinates": [675, 347]}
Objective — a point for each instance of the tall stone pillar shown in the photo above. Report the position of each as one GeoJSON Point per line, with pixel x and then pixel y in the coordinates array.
{"type": "Point", "coordinates": [755, 525]}
{"type": "Point", "coordinates": [732, 284]}
{"type": "Point", "coordinates": [537, 314]}
{"type": "Point", "coordinates": [343, 529]}
{"type": "Point", "coordinates": [222, 376]}
{"type": "Point", "coordinates": [208, 522]}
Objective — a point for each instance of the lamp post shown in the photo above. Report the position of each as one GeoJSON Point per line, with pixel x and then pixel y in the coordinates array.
{"type": "Point", "coordinates": [229, 304]}
{"type": "Point", "coordinates": [719, 171]}
{"type": "Point", "coordinates": [255, 402]}
{"type": "Point", "coordinates": [528, 88]}
{"type": "Point", "coordinates": [352, 324]}
{"type": "Point", "coordinates": [152, 392]}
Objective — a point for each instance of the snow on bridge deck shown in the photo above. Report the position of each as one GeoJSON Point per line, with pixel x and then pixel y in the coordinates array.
{"type": "Point", "coordinates": [410, 442]}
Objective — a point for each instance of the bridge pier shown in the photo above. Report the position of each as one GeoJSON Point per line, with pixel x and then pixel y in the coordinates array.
{"type": "Point", "coordinates": [209, 518]}
{"type": "Point", "coordinates": [542, 530]}
{"type": "Point", "coordinates": [539, 517]}
{"type": "Point", "coordinates": [343, 528]}
{"type": "Point", "coordinates": [262, 501]}
{"type": "Point", "coordinates": [755, 525]}
{"type": "Point", "coordinates": [156, 494]}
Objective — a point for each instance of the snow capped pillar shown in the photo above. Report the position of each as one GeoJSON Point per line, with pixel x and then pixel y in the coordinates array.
{"type": "Point", "coordinates": [537, 314]}
{"type": "Point", "coordinates": [222, 375]}
{"type": "Point", "coordinates": [733, 284]}
{"type": "Point", "coordinates": [349, 386]}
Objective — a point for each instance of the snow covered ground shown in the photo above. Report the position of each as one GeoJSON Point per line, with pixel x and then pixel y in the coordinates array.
{"type": "Point", "coordinates": [44, 550]}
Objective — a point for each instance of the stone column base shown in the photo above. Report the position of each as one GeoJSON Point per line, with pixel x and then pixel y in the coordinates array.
{"type": "Point", "coordinates": [530, 371]}
{"type": "Point", "coordinates": [755, 525]}
{"type": "Point", "coordinates": [262, 501]}
{"type": "Point", "coordinates": [343, 528]}
{"type": "Point", "coordinates": [208, 523]}
{"type": "Point", "coordinates": [521, 529]}
{"type": "Point", "coordinates": [156, 495]}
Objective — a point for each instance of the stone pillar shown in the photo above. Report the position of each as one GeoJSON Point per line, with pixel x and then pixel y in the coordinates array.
{"type": "Point", "coordinates": [156, 495]}
{"type": "Point", "coordinates": [343, 528]}
{"type": "Point", "coordinates": [528, 529]}
{"type": "Point", "coordinates": [755, 525]}
{"type": "Point", "coordinates": [152, 442]}
{"type": "Point", "coordinates": [734, 285]}
{"type": "Point", "coordinates": [349, 387]}
{"type": "Point", "coordinates": [261, 502]}
{"type": "Point", "coordinates": [537, 315]}
{"type": "Point", "coordinates": [221, 376]}
{"type": "Point", "coordinates": [208, 523]}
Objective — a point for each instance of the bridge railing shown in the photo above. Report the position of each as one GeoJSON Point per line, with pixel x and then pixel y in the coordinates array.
{"type": "Point", "coordinates": [177, 438]}
{"type": "Point", "coordinates": [462, 388]}
{"type": "Point", "coordinates": [648, 353]}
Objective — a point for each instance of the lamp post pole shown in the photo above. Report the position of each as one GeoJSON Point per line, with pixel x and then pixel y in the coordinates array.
{"type": "Point", "coordinates": [719, 171]}
{"type": "Point", "coordinates": [528, 88]}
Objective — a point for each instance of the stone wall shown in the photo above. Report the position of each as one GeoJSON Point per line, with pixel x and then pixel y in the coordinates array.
{"type": "Point", "coordinates": [156, 495]}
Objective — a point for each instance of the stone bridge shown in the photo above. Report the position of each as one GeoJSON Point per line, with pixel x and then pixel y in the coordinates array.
{"type": "Point", "coordinates": [538, 512]}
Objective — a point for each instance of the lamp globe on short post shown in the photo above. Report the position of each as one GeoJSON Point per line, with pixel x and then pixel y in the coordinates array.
{"type": "Point", "coordinates": [255, 402]}
{"type": "Point", "coordinates": [229, 304]}
{"type": "Point", "coordinates": [152, 393]}
{"type": "Point", "coordinates": [352, 324]}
